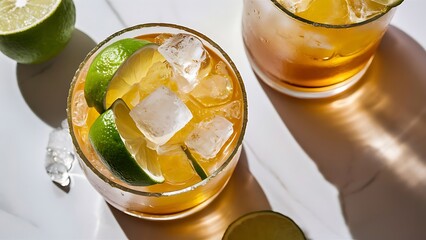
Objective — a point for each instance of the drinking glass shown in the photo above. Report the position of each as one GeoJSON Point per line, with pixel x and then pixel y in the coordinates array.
{"type": "Point", "coordinates": [308, 59]}
{"type": "Point", "coordinates": [140, 201]}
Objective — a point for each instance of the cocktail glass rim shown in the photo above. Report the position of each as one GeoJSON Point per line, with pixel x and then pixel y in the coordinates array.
{"type": "Point", "coordinates": [169, 193]}
{"type": "Point", "coordinates": [325, 25]}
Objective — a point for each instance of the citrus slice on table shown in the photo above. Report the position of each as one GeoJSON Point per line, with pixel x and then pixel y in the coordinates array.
{"type": "Point", "coordinates": [389, 3]}
{"type": "Point", "coordinates": [103, 68]}
{"type": "Point", "coordinates": [131, 72]}
{"type": "Point", "coordinates": [263, 225]}
{"type": "Point", "coordinates": [122, 147]}
{"type": "Point", "coordinates": [34, 31]}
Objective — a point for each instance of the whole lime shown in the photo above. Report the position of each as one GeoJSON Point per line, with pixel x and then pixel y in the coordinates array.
{"type": "Point", "coordinates": [34, 31]}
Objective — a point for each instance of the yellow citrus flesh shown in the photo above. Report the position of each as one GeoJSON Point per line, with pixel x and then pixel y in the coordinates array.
{"type": "Point", "coordinates": [131, 72]}
{"type": "Point", "coordinates": [34, 31]}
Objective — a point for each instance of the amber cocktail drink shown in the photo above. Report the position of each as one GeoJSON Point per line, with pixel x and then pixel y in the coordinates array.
{"type": "Point", "coordinates": [159, 131]}
{"type": "Point", "coordinates": [313, 48]}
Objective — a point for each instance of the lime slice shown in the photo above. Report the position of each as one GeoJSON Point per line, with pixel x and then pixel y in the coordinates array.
{"type": "Point", "coordinates": [389, 3]}
{"type": "Point", "coordinates": [131, 72]}
{"type": "Point", "coordinates": [37, 30]}
{"type": "Point", "coordinates": [122, 147]}
{"type": "Point", "coordinates": [197, 167]}
{"type": "Point", "coordinates": [263, 225]}
{"type": "Point", "coordinates": [104, 67]}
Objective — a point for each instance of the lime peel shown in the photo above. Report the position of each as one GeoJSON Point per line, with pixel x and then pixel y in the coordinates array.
{"type": "Point", "coordinates": [197, 167]}
{"type": "Point", "coordinates": [108, 143]}
{"type": "Point", "coordinates": [103, 68]}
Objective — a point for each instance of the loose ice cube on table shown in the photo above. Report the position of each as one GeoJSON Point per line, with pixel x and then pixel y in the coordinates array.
{"type": "Point", "coordinates": [59, 155]}
{"type": "Point", "coordinates": [160, 115]}
{"type": "Point", "coordinates": [60, 148]}
{"type": "Point", "coordinates": [208, 137]}
{"type": "Point", "coordinates": [185, 53]}
{"type": "Point", "coordinates": [58, 173]}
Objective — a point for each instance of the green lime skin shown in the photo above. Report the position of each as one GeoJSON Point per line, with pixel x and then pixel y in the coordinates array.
{"type": "Point", "coordinates": [107, 142]}
{"type": "Point", "coordinates": [104, 67]}
{"type": "Point", "coordinates": [43, 41]}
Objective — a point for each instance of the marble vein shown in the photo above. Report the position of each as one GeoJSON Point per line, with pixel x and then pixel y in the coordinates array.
{"type": "Point", "coordinates": [116, 13]}
{"type": "Point", "coordinates": [277, 179]}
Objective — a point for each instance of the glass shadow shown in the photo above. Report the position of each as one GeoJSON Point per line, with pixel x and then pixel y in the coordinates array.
{"type": "Point", "coordinates": [242, 195]}
{"type": "Point", "coordinates": [369, 141]}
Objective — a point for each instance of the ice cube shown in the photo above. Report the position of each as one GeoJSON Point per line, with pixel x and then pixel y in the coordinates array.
{"type": "Point", "coordinates": [230, 110]}
{"type": "Point", "coordinates": [213, 90]}
{"type": "Point", "coordinates": [58, 173]}
{"type": "Point", "coordinates": [60, 139]}
{"type": "Point", "coordinates": [169, 149]}
{"type": "Point", "coordinates": [361, 10]}
{"type": "Point", "coordinates": [185, 53]}
{"type": "Point", "coordinates": [60, 155]}
{"type": "Point", "coordinates": [80, 109]}
{"type": "Point", "coordinates": [208, 137]}
{"type": "Point", "coordinates": [160, 115]}
{"type": "Point", "coordinates": [64, 125]}
{"type": "Point", "coordinates": [60, 148]}
{"type": "Point", "coordinates": [296, 6]}
{"type": "Point", "coordinates": [221, 69]}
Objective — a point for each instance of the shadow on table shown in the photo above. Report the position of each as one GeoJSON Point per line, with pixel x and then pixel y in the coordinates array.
{"type": "Point", "coordinates": [370, 141]}
{"type": "Point", "coordinates": [45, 86]}
{"type": "Point", "coordinates": [242, 195]}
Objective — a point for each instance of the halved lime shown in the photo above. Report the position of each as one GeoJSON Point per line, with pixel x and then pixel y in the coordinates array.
{"type": "Point", "coordinates": [389, 3]}
{"type": "Point", "coordinates": [34, 31]}
{"type": "Point", "coordinates": [263, 225]}
{"type": "Point", "coordinates": [103, 68]}
{"type": "Point", "coordinates": [131, 72]}
{"type": "Point", "coordinates": [122, 147]}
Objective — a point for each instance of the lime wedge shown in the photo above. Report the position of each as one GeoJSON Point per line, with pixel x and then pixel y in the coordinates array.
{"type": "Point", "coordinates": [122, 147]}
{"type": "Point", "coordinates": [263, 225]}
{"type": "Point", "coordinates": [389, 3]}
{"type": "Point", "coordinates": [103, 68]}
{"type": "Point", "coordinates": [33, 31]}
{"type": "Point", "coordinates": [131, 72]}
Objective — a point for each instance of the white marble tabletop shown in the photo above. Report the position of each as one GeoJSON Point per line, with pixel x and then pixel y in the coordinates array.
{"type": "Point", "coordinates": [300, 164]}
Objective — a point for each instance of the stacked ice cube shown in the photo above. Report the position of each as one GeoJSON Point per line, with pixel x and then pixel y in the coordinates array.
{"type": "Point", "coordinates": [184, 53]}
{"type": "Point", "coordinates": [60, 155]}
{"type": "Point", "coordinates": [162, 114]}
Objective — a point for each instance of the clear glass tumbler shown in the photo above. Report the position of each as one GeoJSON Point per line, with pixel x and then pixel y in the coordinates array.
{"type": "Point", "coordinates": [154, 202]}
{"type": "Point", "coordinates": [308, 59]}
